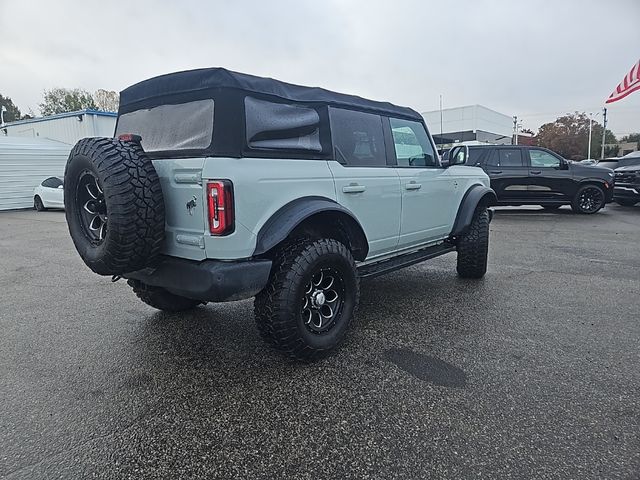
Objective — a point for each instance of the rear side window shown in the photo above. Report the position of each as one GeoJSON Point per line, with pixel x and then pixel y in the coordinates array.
{"type": "Point", "coordinates": [52, 182]}
{"type": "Point", "coordinates": [166, 128]}
{"type": "Point", "coordinates": [279, 126]}
{"type": "Point", "coordinates": [357, 138]}
{"type": "Point", "coordinates": [506, 157]}
{"type": "Point", "coordinates": [477, 156]}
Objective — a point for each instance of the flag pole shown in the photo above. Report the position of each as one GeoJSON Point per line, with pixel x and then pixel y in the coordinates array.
{"type": "Point", "coordinates": [604, 131]}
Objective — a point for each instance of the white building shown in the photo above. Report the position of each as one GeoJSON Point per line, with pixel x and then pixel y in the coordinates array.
{"type": "Point", "coordinates": [32, 150]}
{"type": "Point", "coordinates": [64, 127]}
{"type": "Point", "coordinates": [472, 124]}
{"type": "Point", "coordinates": [24, 163]}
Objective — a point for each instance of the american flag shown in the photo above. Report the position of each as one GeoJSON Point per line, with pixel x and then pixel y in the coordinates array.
{"type": "Point", "coordinates": [630, 84]}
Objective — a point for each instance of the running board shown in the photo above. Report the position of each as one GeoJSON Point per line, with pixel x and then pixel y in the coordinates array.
{"type": "Point", "coordinates": [406, 260]}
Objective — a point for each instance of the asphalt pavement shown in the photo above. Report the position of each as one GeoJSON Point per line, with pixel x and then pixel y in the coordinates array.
{"type": "Point", "coordinates": [532, 372]}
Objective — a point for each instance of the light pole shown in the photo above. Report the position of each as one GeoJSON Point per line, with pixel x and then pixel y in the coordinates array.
{"type": "Point", "coordinates": [2, 110]}
{"type": "Point", "coordinates": [591, 115]}
{"type": "Point", "coordinates": [604, 131]}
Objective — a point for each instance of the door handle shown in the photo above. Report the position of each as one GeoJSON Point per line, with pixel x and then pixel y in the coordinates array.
{"type": "Point", "coordinates": [413, 186]}
{"type": "Point", "coordinates": [535, 172]}
{"type": "Point", "coordinates": [495, 171]}
{"type": "Point", "coordinates": [354, 188]}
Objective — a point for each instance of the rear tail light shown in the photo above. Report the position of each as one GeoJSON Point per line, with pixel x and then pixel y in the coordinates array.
{"type": "Point", "coordinates": [220, 201]}
{"type": "Point", "coordinates": [129, 137]}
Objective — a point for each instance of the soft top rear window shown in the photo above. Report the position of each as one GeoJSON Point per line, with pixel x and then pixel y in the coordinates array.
{"type": "Point", "coordinates": [169, 128]}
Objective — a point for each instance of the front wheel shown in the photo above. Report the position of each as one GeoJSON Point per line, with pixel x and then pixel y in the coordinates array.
{"type": "Point", "coordinates": [307, 306]}
{"type": "Point", "coordinates": [473, 247]}
{"type": "Point", "coordinates": [588, 199]}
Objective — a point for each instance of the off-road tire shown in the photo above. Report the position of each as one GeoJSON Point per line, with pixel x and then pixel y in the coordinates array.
{"type": "Point", "coordinates": [162, 299]}
{"type": "Point", "coordinates": [473, 247]}
{"type": "Point", "coordinates": [626, 202]}
{"type": "Point", "coordinates": [576, 202]}
{"type": "Point", "coordinates": [131, 196]}
{"type": "Point", "coordinates": [37, 204]}
{"type": "Point", "coordinates": [279, 306]}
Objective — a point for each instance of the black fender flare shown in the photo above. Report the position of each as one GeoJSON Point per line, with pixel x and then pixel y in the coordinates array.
{"type": "Point", "coordinates": [288, 217]}
{"type": "Point", "coordinates": [476, 195]}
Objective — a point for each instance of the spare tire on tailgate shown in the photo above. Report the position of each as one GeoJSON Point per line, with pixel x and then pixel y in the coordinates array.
{"type": "Point", "coordinates": [114, 206]}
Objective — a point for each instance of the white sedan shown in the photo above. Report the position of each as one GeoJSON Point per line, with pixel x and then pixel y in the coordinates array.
{"type": "Point", "coordinates": [49, 194]}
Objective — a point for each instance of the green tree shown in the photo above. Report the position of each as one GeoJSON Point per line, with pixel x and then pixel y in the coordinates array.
{"type": "Point", "coordinates": [13, 113]}
{"type": "Point", "coordinates": [569, 136]}
{"type": "Point", "coordinates": [632, 137]}
{"type": "Point", "coordinates": [60, 100]}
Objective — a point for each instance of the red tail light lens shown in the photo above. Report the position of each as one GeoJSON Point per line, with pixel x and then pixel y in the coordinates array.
{"type": "Point", "coordinates": [220, 201]}
{"type": "Point", "coordinates": [130, 137]}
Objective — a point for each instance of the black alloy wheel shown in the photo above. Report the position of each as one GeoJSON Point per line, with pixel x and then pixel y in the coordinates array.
{"type": "Point", "coordinates": [589, 199]}
{"type": "Point", "coordinates": [92, 207]}
{"type": "Point", "coordinates": [323, 300]}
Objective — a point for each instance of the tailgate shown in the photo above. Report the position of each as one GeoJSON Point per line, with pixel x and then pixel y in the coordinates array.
{"type": "Point", "coordinates": [183, 193]}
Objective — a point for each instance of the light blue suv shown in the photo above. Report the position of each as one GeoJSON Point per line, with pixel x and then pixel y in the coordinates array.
{"type": "Point", "coordinates": [222, 186]}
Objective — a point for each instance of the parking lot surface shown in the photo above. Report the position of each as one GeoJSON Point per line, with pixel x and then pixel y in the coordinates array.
{"type": "Point", "coordinates": [533, 372]}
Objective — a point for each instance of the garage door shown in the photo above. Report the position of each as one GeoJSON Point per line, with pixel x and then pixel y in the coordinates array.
{"type": "Point", "coordinates": [24, 163]}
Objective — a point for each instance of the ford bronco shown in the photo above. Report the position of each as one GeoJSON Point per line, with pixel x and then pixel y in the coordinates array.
{"type": "Point", "coordinates": [222, 186]}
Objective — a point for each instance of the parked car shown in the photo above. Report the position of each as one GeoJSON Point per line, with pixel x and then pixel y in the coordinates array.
{"type": "Point", "coordinates": [523, 175]}
{"type": "Point", "coordinates": [290, 194]}
{"type": "Point", "coordinates": [49, 194]}
{"type": "Point", "coordinates": [627, 187]}
{"type": "Point", "coordinates": [616, 162]}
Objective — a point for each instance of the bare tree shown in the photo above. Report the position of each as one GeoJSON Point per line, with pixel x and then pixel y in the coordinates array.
{"type": "Point", "coordinates": [106, 100]}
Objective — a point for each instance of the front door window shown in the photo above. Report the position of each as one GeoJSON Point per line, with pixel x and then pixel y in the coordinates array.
{"type": "Point", "coordinates": [412, 145]}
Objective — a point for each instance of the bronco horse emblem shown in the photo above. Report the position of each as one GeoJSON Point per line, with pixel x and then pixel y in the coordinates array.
{"type": "Point", "coordinates": [191, 205]}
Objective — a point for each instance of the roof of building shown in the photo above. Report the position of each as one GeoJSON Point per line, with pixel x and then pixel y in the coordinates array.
{"type": "Point", "coordinates": [88, 111]}
{"type": "Point", "coordinates": [207, 82]}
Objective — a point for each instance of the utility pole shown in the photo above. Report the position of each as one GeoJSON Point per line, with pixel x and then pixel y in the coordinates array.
{"type": "Point", "coordinates": [441, 138]}
{"type": "Point", "coordinates": [515, 129]}
{"type": "Point", "coordinates": [604, 131]}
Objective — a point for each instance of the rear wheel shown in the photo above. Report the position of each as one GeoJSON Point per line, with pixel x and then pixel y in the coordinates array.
{"type": "Point", "coordinates": [162, 299]}
{"type": "Point", "coordinates": [307, 306]}
{"type": "Point", "coordinates": [588, 199]}
{"type": "Point", "coordinates": [37, 204]}
{"type": "Point", "coordinates": [626, 202]}
{"type": "Point", "coordinates": [473, 247]}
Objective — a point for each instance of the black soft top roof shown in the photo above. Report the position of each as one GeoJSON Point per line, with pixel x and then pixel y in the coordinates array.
{"type": "Point", "coordinates": [195, 83]}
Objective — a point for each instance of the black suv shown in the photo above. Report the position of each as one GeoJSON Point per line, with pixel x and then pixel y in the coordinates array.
{"type": "Point", "coordinates": [522, 175]}
{"type": "Point", "coordinates": [627, 189]}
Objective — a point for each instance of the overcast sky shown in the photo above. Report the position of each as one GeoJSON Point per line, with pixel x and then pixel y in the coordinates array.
{"type": "Point", "coordinates": [534, 59]}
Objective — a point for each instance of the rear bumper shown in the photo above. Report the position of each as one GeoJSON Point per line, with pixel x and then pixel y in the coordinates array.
{"type": "Point", "coordinates": [209, 280]}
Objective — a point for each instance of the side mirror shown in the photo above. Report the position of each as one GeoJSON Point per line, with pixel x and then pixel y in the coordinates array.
{"type": "Point", "coordinates": [458, 155]}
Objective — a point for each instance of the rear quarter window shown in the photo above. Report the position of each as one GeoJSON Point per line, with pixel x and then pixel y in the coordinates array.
{"type": "Point", "coordinates": [281, 126]}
